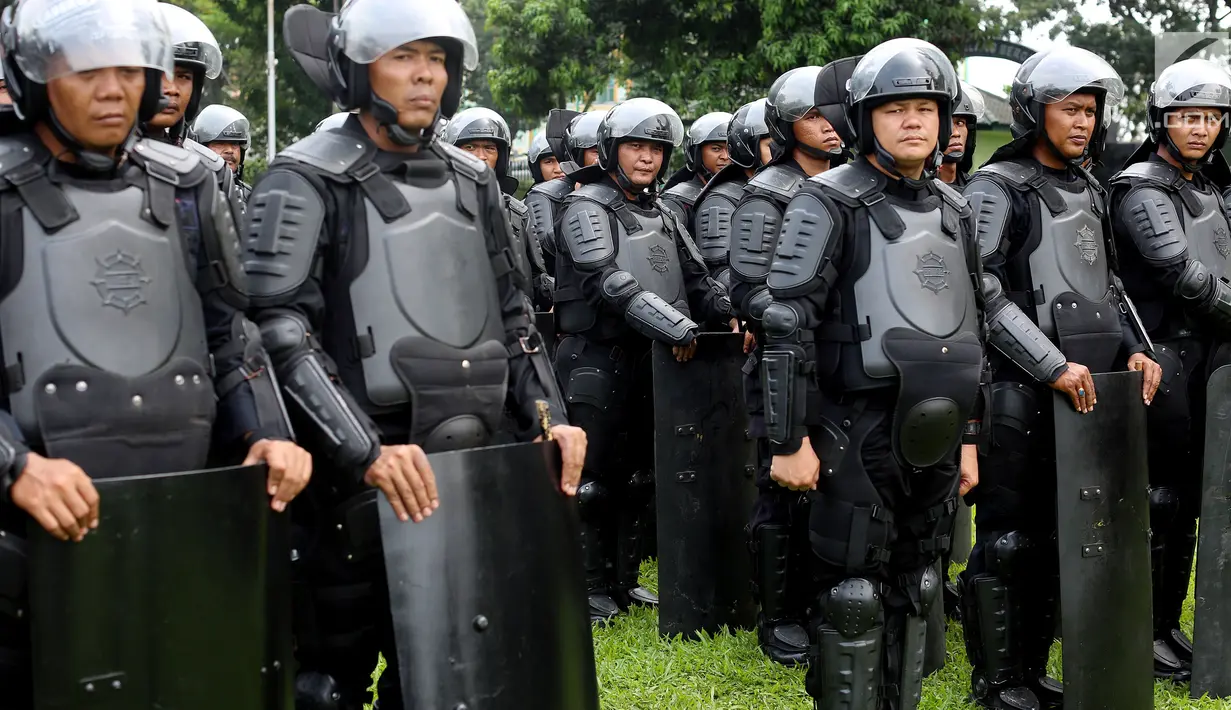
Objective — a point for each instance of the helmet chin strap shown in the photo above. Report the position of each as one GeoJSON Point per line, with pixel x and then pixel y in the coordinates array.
{"type": "Point", "coordinates": [387, 117]}
{"type": "Point", "coordinates": [953, 158]}
{"type": "Point", "coordinates": [890, 165]}
{"type": "Point", "coordinates": [1185, 164]}
{"type": "Point", "coordinates": [818, 153]}
{"type": "Point", "coordinates": [91, 161]}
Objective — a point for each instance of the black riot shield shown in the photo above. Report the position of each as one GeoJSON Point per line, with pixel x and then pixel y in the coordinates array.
{"type": "Point", "coordinates": [1103, 517]}
{"type": "Point", "coordinates": [545, 323]}
{"type": "Point", "coordinates": [705, 488]}
{"type": "Point", "coordinates": [1212, 613]}
{"type": "Point", "coordinates": [488, 594]}
{"type": "Point", "coordinates": [180, 599]}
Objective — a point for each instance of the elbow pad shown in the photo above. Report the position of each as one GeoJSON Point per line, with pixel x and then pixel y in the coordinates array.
{"type": "Point", "coordinates": [340, 428]}
{"type": "Point", "coordinates": [258, 371]}
{"type": "Point", "coordinates": [1015, 335]}
{"type": "Point", "coordinates": [756, 302]}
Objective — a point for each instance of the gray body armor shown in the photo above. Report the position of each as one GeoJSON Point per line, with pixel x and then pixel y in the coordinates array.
{"type": "Point", "coordinates": [544, 200]}
{"type": "Point", "coordinates": [681, 197]}
{"type": "Point", "coordinates": [428, 322]}
{"type": "Point", "coordinates": [1070, 269]}
{"type": "Point", "coordinates": [107, 297]}
{"type": "Point", "coordinates": [712, 220]}
{"type": "Point", "coordinates": [643, 246]}
{"type": "Point", "coordinates": [758, 218]}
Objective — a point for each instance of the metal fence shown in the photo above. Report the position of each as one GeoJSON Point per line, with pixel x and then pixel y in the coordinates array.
{"type": "Point", "coordinates": [519, 167]}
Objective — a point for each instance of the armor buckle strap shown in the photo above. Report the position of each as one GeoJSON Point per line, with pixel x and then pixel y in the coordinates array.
{"type": "Point", "coordinates": [1049, 194]}
{"type": "Point", "coordinates": [887, 219]}
{"type": "Point", "coordinates": [46, 201]}
{"type": "Point", "coordinates": [620, 209]}
{"type": "Point", "coordinates": [529, 344]}
{"type": "Point", "coordinates": [843, 333]}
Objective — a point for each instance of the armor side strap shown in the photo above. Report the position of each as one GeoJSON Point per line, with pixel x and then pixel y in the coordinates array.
{"type": "Point", "coordinates": [341, 430]}
{"type": "Point", "coordinates": [1015, 335]}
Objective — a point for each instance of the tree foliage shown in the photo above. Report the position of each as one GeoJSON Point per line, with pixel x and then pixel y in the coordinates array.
{"type": "Point", "coordinates": [698, 55]}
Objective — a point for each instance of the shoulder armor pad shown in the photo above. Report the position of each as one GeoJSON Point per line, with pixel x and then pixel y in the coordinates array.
{"type": "Point", "coordinates": [585, 230]}
{"type": "Point", "coordinates": [212, 160]}
{"type": "Point", "coordinates": [730, 189]}
{"type": "Point", "coordinates": [541, 213]}
{"type": "Point", "coordinates": [713, 224]}
{"type": "Point", "coordinates": [1150, 170]}
{"type": "Point", "coordinates": [596, 192]}
{"type": "Point", "coordinates": [463, 162]}
{"type": "Point", "coordinates": [777, 180]}
{"type": "Point", "coordinates": [282, 227]}
{"type": "Point", "coordinates": [556, 190]}
{"type": "Point", "coordinates": [181, 160]}
{"type": "Point", "coordinates": [852, 181]}
{"type": "Point", "coordinates": [1017, 173]}
{"type": "Point", "coordinates": [804, 244]}
{"type": "Point", "coordinates": [331, 152]}
{"type": "Point", "coordinates": [989, 203]}
{"type": "Point", "coordinates": [1148, 214]}
{"type": "Point", "coordinates": [686, 192]}
{"type": "Point", "coordinates": [754, 232]}
{"type": "Point", "coordinates": [949, 195]}
{"type": "Point", "coordinates": [17, 151]}
{"type": "Point", "coordinates": [516, 206]}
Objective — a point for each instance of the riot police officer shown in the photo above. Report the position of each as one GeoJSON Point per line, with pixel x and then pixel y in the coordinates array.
{"type": "Point", "coordinates": [748, 148]}
{"type": "Point", "coordinates": [582, 138]}
{"type": "Point", "coordinates": [1041, 235]}
{"type": "Point", "coordinates": [226, 131]}
{"type": "Point", "coordinates": [705, 153]}
{"type": "Point", "coordinates": [873, 360]}
{"type": "Point", "coordinates": [801, 110]}
{"type": "Point", "coordinates": [138, 360]}
{"type": "Point", "coordinates": [960, 153]}
{"type": "Point", "coordinates": [1171, 232]}
{"type": "Point", "coordinates": [575, 148]}
{"type": "Point", "coordinates": [544, 165]}
{"type": "Point", "coordinates": [384, 280]}
{"type": "Point", "coordinates": [626, 275]}
{"type": "Point", "coordinates": [484, 134]}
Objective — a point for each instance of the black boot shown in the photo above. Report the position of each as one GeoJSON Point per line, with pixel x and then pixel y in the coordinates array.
{"type": "Point", "coordinates": [630, 538]}
{"type": "Point", "coordinates": [1173, 651]}
{"type": "Point", "coordinates": [1039, 621]}
{"type": "Point", "coordinates": [782, 637]}
{"type": "Point", "coordinates": [592, 498]}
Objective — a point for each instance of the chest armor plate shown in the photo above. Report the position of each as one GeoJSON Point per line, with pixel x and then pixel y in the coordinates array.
{"type": "Point", "coordinates": [1071, 256]}
{"type": "Point", "coordinates": [650, 255]}
{"type": "Point", "coordinates": [428, 277]}
{"type": "Point", "coordinates": [109, 291]}
{"type": "Point", "coordinates": [918, 281]}
{"type": "Point", "coordinates": [1208, 237]}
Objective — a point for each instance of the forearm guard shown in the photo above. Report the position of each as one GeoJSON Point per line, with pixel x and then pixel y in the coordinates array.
{"type": "Point", "coordinates": [783, 366]}
{"type": "Point", "coordinates": [647, 313]}
{"type": "Point", "coordinates": [1015, 335]}
{"type": "Point", "coordinates": [257, 370]}
{"type": "Point", "coordinates": [1208, 297]}
{"type": "Point", "coordinates": [341, 431]}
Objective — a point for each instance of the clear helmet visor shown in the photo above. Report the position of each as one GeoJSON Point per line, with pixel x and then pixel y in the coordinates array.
{"type": "Point", "coordinates": [972, 103]}
{"type": "Point", "coordinates": [1193, 82]}
{"type": "Point", "coordinates": [221, 123]}
{"type": "Point", "coordinates": [583, 132]}
{"type": "Point", "coordinates": [369, 29]}
{"type": "Point", "coordinates": [645, 118]}
{"type": "Point", "coordinates": [793, 94]}
{"type": "Point", "coordinates": [1063, 71]}
{"type": "Point", "coordinates": [192, 41]}
{"type": "Point", "coordinates": [477, 124]}
{"type": "Point", "coordinates": [56, 38]}
{"type": "Point", "coordinates": [935, 71]}
{"type": "Point", "coordinates": [709, 128]}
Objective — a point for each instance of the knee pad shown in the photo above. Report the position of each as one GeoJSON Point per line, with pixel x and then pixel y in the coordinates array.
{"type": "Point", "coordinates": [591, 497]}
{"type": "Point", "coordinates": [853, 607]}
{"type": "Point", "coordinates": [1009, 553]}
{"type": "Point", "coordinates": [930, 588]}
{"type": "Point", "coordinates": [1164, 505]}
{"type": "Point", "coordinates": [1014, 406]}
{"type": "Point", "coordinates": [317, 691]}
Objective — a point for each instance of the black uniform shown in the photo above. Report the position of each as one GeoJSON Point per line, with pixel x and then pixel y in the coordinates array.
{"type": "Point", "coordinates": [387, 289]}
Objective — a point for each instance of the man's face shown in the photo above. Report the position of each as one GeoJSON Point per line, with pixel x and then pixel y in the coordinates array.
{"type": "Point", "coordinates": [1069, 124]}
{"type": "Point", "coordinates": [4, 93]}
{"type": "Point", "coordinates": [412, 78]}
{"type": "Point", "coordinates": [640, 161]}
{"type": "Point", "coordinates": [767, 150]}
{"type": "Point", "coordinates": [1193, 131]}
{"type": "Point", "coordinates": [814, 131]}
{"type": "Point", "coordinates": [229, 152]}
{"type": "Point", "coordinates": [957, 140]}
{"type": "Point", "coordinates": [907, 129]}
{"type": "Point", "coordinates": [484, 150]}
{"type": "Point", "coordinates": [714, 156]}
{"type": "Point", "coordinates": [550, 167]}
{"type": "Point", "coordinates": [98, 107]}
{"type": "Point", "coordinates": [178, 92]}
{"type": "Point", "coordinates": [591, 156]}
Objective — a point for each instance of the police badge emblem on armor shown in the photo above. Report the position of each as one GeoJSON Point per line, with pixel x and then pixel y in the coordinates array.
{"type": "Point", "coordinates": [1221, 243]}
{"type": "Point", "coordinates": [932, 272]}
{"type": "Point", "coordinates": [1086, 245]}
{"type": "Point", "coordinates": [120, 281]}
{"type": "Point", "coordinates": [658, 258]}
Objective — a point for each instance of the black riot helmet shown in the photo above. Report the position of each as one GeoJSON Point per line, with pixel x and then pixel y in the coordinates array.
{"type": "Point", "coordinates": [744, 134]}
{"type": "Point", "coordinates": [47, 39]}
{"type": "Point", "coordinates": [1049, 77]}
{"type": "Point", "coordinates": [790, 98]}
{"type": "Point", "coordinates": [972, 108]}
{"type": "Point", "coordinates": [540, 149]}
{"type": "Point", "coordinates": [831, 94]}
{"type": "Point", "coordinates": [582, 134]}
{"type": "Point", "coordinates": [903, 68]}
{"type": "Point", "coordinates": [196, 50]}
{"type": "Point", "coordinates": [1192, 83]}
{"type": "Point", "coordinates": [365, 30]}
{"type": "Point", "coordinates": [223, 124]}
{"type": "Point", "coordinates": [640, 119]}
{"type": "Point", "coordinates": [709, 128]}
{"type": "Point", "coordinates": [483, 124]}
